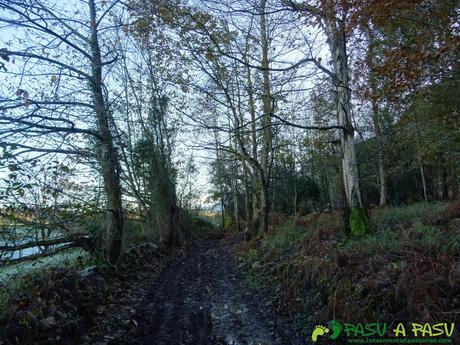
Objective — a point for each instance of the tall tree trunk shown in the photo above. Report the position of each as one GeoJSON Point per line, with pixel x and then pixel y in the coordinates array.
{"type": "Point", "coordinates": [420, 160]}
{"type": "Point", "coordinates": [221, 183]}
{"type": "Point", "coordinates": [241, 139]}
{"type": "Point", "coordinates": [247, 208]}
{"type": "Point", "coordinates": [452, 178]}
{"type": "Point", "coordinates": [454, 186]}
{"type": "Point", "coordinates": [236, 213]}
{"type": "Point", "coordinates": [445, 185]}
{"type": "Point", "coordinates": [380, 155]}
{"type": "Point", "coordinates": [376, 120]}
{"type": "Point", "coordinates": [174, 235]}
{"type": "Point", "coordinates": [107, 154]}
{"type": "Point", "coordinates": [267, 116]}
{"type": "Point", "coordinates": [222, 210]}
{"type": "Point", "coordinates": [295, 198]}
{"type": "Point", "coordinates": [382, 177]}
{"type": "Point", "coordinates": [422, 176]}
{"type": "Point", "coordinates": [264, 207]}
{"type": "Point", "coordinates": [337, 43]}
{"type": "Point", "coordinates": [255, 171]}
{"type": "Point", "coordinates": [273, 199]}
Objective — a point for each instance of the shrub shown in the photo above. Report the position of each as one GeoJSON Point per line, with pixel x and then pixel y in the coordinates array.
{"type": "Point", "coordinates": [137, 231]}
{"type": "Point", "coordinates": [201, 227]}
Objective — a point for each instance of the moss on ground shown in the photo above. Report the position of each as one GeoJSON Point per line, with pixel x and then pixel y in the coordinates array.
{"type": "Point", "coordinates": [359, 224]}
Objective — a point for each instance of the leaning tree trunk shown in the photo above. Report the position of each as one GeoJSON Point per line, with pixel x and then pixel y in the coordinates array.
{"type": "Point", "coordinates": [358, 222]}
{"type": "Point", "coordinates": [107, 154]}
{"type": "Point", "coordinates": [422, 176]}
{"type": "Point", "coordinates": [221, 183]}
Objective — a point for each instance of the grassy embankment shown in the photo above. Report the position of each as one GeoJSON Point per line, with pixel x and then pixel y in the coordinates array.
{"type": "Point", "coordinates": [14, 277]}
{"type": "Point", "coordinates": [406, 269]}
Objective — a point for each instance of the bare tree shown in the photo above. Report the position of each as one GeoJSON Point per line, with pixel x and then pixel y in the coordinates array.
{"type": "Point", "coordinates": [333, 20]}
{"type": "Point", "coordinates": [62, 46]}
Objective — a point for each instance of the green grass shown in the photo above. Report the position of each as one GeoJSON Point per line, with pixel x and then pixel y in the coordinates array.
{"type": "Point", "coordinates": [12, 277]}
{"type": "Point", "coordinates": [137, 231]}
{"type": "Point", "coordinates": [287, 236]}
{"type": "Point", "coordinates": [202, 227]}
{"type": "Point", "coordinates": [392, 230]}
{"type": "Point", "coordinates": [394, 218]}
{"type": "Point", "coordinates": [397, 228]}
{"type": "Point", "coordinates": [254, 272]}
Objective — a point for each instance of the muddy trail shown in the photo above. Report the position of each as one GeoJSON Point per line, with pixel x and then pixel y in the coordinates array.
{"type": "Point", "coordinates": [199, 299]}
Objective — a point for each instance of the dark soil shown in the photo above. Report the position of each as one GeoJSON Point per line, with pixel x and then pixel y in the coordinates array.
{"type": "Point", "coordinates": [199, 299]}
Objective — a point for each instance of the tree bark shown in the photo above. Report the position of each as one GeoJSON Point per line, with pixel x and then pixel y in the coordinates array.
{"type": "Point", "coordinates": [247, 208]}
{"type": "Point", "coordinates": [420, 160]}
{"type": "Point", "coordinates": [376, 122]}
{"type": "Point", "coordinates": [107, 154]}
{"type": "Point", "coordinates": [254, 221]}
{"type": "Point", "coordinates": [380, 156]}
{"type": "Point", "coordinates": [335, 31]}
{"type": "Point", "coordinates": [445, 186]}
{"type": "Point", "coordinates": [422, 176]}
{"type": "Point", "coordinates": [452, 179]}
{"type": "Point", "coordinates": [267, 117]}
{"type": "Point", "coordinates": [295, 199]}
{"type": "Point", "coordinates": [233, 182]}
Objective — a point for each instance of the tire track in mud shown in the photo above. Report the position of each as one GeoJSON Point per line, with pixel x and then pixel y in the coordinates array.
{"type": "Point", "coordinates": [199, 300]}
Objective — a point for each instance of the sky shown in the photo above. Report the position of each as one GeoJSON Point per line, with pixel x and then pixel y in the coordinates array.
{"type": "Point", "coordinates": [189, 139]}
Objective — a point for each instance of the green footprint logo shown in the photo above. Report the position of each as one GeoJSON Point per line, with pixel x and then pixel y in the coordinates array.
{"type": "Point", "coordinates": [336, 329]}
{"type": "Point", "coordinates": [318, 331]}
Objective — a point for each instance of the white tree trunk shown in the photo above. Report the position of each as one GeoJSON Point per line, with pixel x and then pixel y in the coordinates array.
{"type": "Point", "coordinates": [337, 44]}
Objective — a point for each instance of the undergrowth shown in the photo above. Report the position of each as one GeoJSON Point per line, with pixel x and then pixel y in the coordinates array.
{"type": "Point", "coordinates": [61, 305]}
{"type": "Point", "coordinates": [201, 227]}
{"type": "Point", "coordinates": [407, 268]}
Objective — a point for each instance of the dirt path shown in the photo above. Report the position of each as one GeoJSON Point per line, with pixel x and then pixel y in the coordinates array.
{"type": "Point", "coordinates": [198, 299]}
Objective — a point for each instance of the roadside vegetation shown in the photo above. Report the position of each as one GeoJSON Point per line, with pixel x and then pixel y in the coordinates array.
{"type": "Point", "coordinates": [406, 268]}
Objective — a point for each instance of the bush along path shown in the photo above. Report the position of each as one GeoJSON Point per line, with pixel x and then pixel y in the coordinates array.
{"type": "Point", "coordinates": [90, 306]}
{"type": "Point", "coordinates": [407, 270]}
{"type": "Point", "coordinates": [199, 299]}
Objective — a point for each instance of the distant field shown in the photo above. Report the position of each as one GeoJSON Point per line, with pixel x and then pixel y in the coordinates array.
{"type": "Point", "coordinates": [24, 234]}
{"type": "Point", "coordinates": [61, 259]}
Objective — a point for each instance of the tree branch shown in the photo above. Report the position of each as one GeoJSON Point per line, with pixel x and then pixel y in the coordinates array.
{"type": "Point", "coordinates": [7, 52]}
{"type": "Point", "coordinates": [322, 128]}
